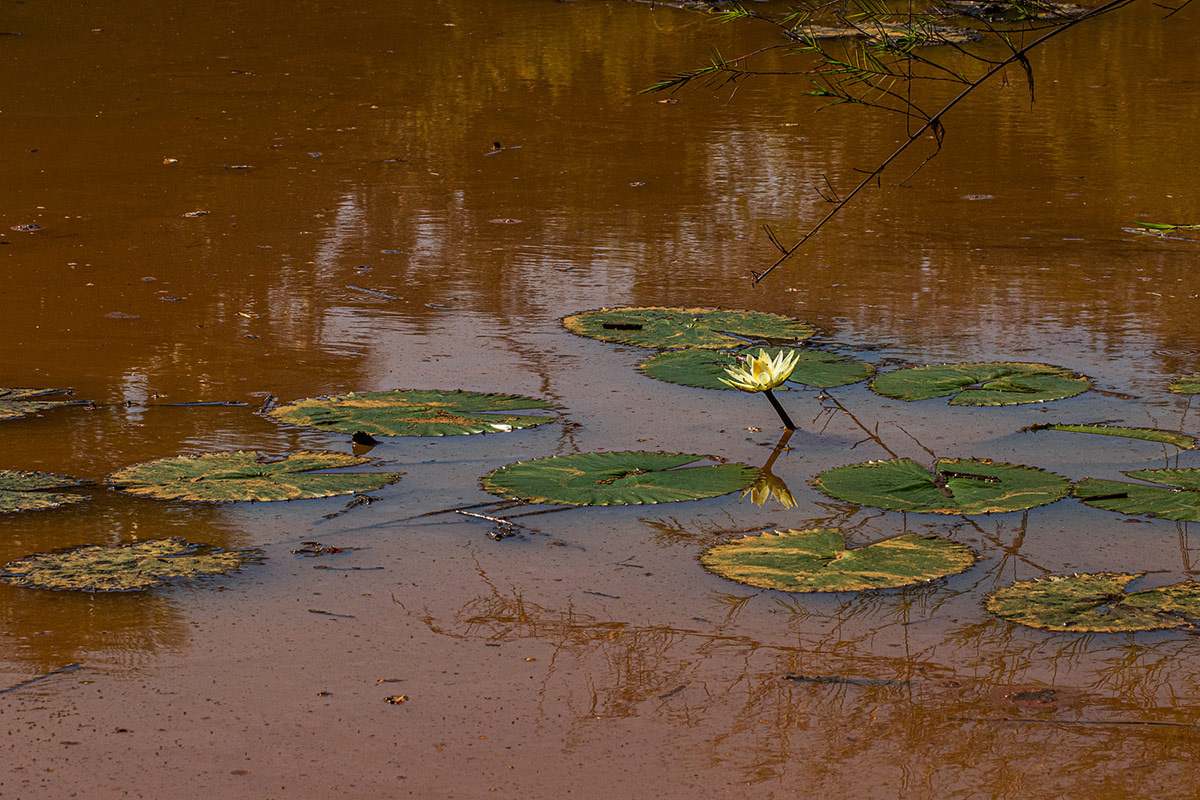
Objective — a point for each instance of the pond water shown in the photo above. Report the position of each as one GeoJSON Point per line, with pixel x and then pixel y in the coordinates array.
{"type": "Point", "coordinates": [361, 231]}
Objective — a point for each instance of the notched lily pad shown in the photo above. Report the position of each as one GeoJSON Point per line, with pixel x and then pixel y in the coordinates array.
{"type": "Point", "coordinates": [699, 328]}
{"type": "Point", "coordinates": [32, 491]}
{"type": "Point", "coordinates": [15, 403]}
{"type": "Point", "coordinates": [124, 568]}
{"type": "Point", "coordinates": [413, 412]}
{"type": "Point", "coordinates": [817, 560]}
{"type": "Point", "coordinates": [957, 486]}
{"type": "Point", "coordinates": [998, 383]}
{"type": "Point", "coordinates": [705, 368]}
{"type": "Point", "coordinates": [632, 477]}
{"type": "Point", "coordinates": [246, 475]}
{"type": "Point", "coordinates": [1188, 385]}
{"type": "Point", "coordinates": [1096, 603]}
{"type": "Point", "coordinates": [1175, 438]}
{"type": "Point", "coordinates": [1178, 498]}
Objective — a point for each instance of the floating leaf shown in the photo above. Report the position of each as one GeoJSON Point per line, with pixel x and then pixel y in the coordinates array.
{"type": "Point", "coordinates": [124, 568]}
{"type": "Point", "coordinates": [413, 412]}
{"type": "Point", "coordinates": [611, 479]}
{"type": "Point", "coordinates": [1016, 10]}
{"type": "Point", "coordinates": [986, 384]}
{"type": "Point", "coordinates": [245, 475]}
{"type": "Point", "coordinates": [1188, 385]}
{"type": "Point", "coordinates": [817, 561]}
{"type": "Point", "coordinates": [29, 491]}
{"type": "Point", "coordinates": [1178, 499]}
{"type": "Point", "coordinates": [1096, 603]}
{"type": "Point", "coordinates": [896, 34]}
{"type": "Point", "coordinates": [1181, 440]}
{"type": "Point", "coordinates": [705, 368]}
{"type": "Point", "coordinates": [958, 486]}
{"type": "Point", "coordinates": [16, 403]}
{"type": "Point", "coordinates": [702, 328]}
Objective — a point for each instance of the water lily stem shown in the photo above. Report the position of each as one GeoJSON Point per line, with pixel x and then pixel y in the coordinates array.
{"type": "Point", "coordinates": [783, 415]}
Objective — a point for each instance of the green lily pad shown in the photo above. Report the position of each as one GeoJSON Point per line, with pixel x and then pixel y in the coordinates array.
{"type": "Point", "coordinates": [124, 568]}
{"type": "Point", "coordinates": [1175, 438]}
{"type": "Point", "coordinates": [16, 403]}
{"type": "Point", "coordinates": [245, 475]}
{"type": "Point", "coordinates": [1178, 498]}
{"type": "Point", "coordinates": [1096, 603]}
{"type": "Point", "coordinates": [30, 491]}
{"type": "Point", "coordinates": [1000, 383]}
{"type": "Point", "coordinates": [958, 486]}
{"type": "Point", "coordinates": [617, 479]}
{"type": "Point", "coordinates": [699, 328]}
{"type": "Point", "coordinates": [817, 561]}
{"type": "Point", "coordinates": [413, 412]}
{"type": "Point", "coordinates": [1188, 385]}
{"type": "Point", "coordinates": [705, 368]}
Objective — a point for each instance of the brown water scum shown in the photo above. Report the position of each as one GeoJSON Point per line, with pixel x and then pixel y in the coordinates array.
{"type": "Point", "coordinates": [225, 202]}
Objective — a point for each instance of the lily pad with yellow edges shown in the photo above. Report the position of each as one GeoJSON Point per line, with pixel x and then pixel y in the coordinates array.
{"type": "Point", "coordinates": [996, 383]}
{"type": "Point", "coordinates": [247, 475]}
{"type": "Point", "coordinates": [1096, 603]}
{"type": "Point", "coordinates": [1178, 439]}
{"type": "Point", "coordinates": [956, 486]}
{"type": "Point", "coordinates": [704, 369]}
{"type": "Point", "coordinates": [33, 491]}
{"type": "Point", "coordinates": [124, 568]}
{"type": "Point", "coordinates": [1188, 385]}
{"type": "Point", "coordinates": [414, 412]}
{"type": "Point", "coordinates": [817, 560]}
{"type": "Point", "coordinates": [612, 479]}
{"type": "Point", "coordinates": [696, 328]}
{"type": "Point", "coordinates": [16, 403]}
{"type": "Point", "coordinates": [1178, 496]}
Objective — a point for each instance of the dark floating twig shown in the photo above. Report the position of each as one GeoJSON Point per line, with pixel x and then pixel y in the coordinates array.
{"type": "Point", "coordinates": [621, 326]}
{"type": "Point", "coordinates": [331, 614]}
{"type": "Point", "coordinates": [1071, 722]}
{"type": "Point", "coordinates": [602, 594]}
{"type": "Point", "coordinates": [374, 292]}
{"type": "Point", "coordinates": [511, 504]}
{"type": "Point", "coordinates": [843, 680]}
{"type": "Point", "coordinates": [1109, 496]}
{"type": "Point", "coordinates": [269, 402]}
{"type": "Point", "coordinates": [673, 692]}
{"type": "Point", "coordinates": [51, 673]}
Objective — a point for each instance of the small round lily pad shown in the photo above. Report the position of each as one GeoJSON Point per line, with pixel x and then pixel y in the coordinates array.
{"type": "Point", "coordinates": [956, 486]}
{"type": "Point", "coordinates": [413, 412]}
{"type": "Point", "coordinates": [16, 403]}
{"type": "Point", "coordinates": [705, 368]}
{"type": "Point", "coordinates": [999, 383]}
{"type": "Point", "coordinates": [817, 560]}
{"type": "Point", "coordinates": [1096, 603]}
{"type": "Point", "coordinates": [124, 568]}
{"type": "Point", "coordinates": [632, 477]}
{"type": "Point", "coordinates": [247, 475]}
{"type": "Point", "coordinates": [699, 328]}
{"type": "Point", "coordinates": [32, 491]}
{"type": "Point", "coordinates": [1177, 498]}
{"type": "Point", "coordinates": [1188, 385]}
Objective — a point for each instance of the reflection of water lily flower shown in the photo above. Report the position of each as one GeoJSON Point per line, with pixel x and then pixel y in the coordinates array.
{"type": "Point", "coordinates": [762, 373]}
{"type": "Point", "coordinates": [768, 486]}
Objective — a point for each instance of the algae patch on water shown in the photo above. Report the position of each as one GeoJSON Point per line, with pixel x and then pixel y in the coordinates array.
{"type": "Point", "coordinates": [124, 568]}
{"type": "Point", "coordinates": [33, 491]}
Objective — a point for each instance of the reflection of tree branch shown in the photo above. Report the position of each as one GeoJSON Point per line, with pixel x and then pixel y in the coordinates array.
{"type": "Point", "coordinates": [871, 435]}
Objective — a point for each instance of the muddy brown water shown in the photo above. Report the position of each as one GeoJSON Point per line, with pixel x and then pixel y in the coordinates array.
{"type": "Point", "coordinates": [360, 233]}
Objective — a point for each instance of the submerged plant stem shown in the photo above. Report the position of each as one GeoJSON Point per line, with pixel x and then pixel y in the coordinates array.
{"type": "Point", "coordinates": [783, 415]}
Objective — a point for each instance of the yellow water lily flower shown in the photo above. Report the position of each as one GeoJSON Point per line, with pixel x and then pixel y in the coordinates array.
{"type": "Point", "coordinates": [769, 486]}
{"type": "Point", "coordinates": [762, 373]}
